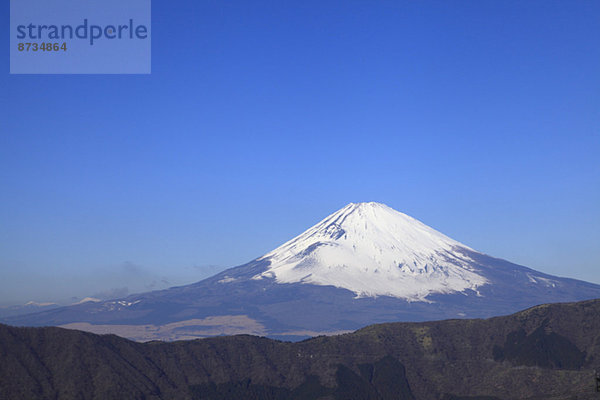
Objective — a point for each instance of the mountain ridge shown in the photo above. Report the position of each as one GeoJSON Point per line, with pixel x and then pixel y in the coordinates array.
{"type": "Point", "coordinates": [545, 352]}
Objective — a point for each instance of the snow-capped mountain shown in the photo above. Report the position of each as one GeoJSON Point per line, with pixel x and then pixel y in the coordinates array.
{"type": "Point", "coordinates": [363, 264]}
{"type": "Point", "coordinates": [371, 249]}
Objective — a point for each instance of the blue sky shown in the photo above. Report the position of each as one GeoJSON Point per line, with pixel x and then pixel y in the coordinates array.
{"type": "Point", "coordinates": [481, 119]}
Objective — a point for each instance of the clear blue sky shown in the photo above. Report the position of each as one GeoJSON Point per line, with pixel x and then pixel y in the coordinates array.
{"type": "Point", "coordinates": [480, 118]}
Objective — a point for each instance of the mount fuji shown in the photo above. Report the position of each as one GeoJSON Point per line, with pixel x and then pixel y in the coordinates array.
{"type": "Point", "coordinates": [373, 250]}
{"type": "Point", "coordinates": [366, 263]}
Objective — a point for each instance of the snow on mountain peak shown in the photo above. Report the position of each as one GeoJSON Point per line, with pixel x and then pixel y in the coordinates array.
{"type": "Point", "coordinates": [374, 250]}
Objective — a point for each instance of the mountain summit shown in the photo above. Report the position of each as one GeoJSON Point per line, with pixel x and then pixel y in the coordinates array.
{"type": "Point", "coordinates": [363, 264]}
{"type": "Point", "coordinates": [372, 249]}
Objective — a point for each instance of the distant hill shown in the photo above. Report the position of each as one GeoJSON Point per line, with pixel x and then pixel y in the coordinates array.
{"type": "Point", "coordinates": [546, 352]}
{"type": "Point", "coordinates": [28, 308]}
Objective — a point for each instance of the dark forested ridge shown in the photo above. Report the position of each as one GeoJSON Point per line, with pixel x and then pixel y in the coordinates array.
{"type": "Point", "coordinates": [546, 352]}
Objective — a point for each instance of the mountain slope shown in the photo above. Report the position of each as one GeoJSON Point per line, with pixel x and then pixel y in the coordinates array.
{"type": "Point", "coordinates": [547, 352]}
{"type": "Point", "coordinates": [364, 264]}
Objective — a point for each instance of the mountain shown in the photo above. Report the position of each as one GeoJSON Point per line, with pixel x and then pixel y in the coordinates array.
{"type": "Point", "coordinates": [364, 264]}
{"type": "Point", "coordinates": [547, 352]}
{"type": "Point", "coordinates": [373, 250]}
